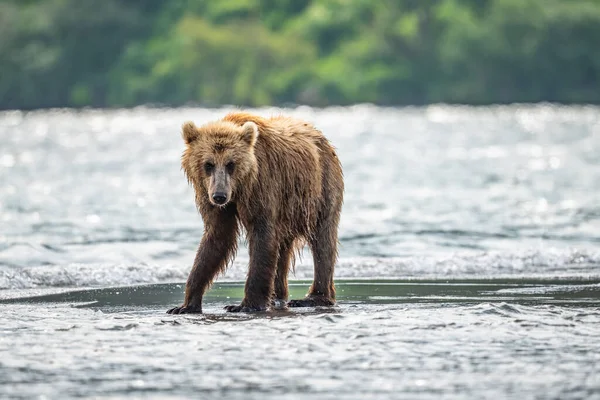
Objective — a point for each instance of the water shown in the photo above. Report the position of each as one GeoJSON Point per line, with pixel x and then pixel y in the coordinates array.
{"type": "Point", "coordinates": [469, 261]}
{"type": "Point", "coordinates": [387, 339]}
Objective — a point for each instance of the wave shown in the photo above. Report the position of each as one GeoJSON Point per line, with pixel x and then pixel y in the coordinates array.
{"type": "Point", "coordinates": [549, 263]}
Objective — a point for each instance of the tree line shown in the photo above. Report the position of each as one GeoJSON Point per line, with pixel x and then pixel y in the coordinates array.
{"type": "Point", "coordinates": [121, 53]}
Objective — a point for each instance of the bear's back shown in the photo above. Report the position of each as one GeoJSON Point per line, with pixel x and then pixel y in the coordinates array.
{"type": "Point", "coordinates": [287, 127]}
{"type": "Point", "coordinates": [290, 156]}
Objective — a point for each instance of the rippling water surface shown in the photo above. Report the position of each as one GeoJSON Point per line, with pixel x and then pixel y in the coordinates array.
{"type": "Point", "coordinates": [469, 261]}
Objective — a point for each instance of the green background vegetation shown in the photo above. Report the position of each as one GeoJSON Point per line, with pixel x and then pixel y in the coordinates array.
{"type": "Point", "coordinates": [110, 53]}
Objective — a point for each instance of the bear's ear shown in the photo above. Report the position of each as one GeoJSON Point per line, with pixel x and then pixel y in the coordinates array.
{"type": "Point", "coordinates": [190, 132]}
{"type": "Point", "coordinates": [249, 133]}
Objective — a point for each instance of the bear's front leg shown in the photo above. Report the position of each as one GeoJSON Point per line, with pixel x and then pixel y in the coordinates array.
{"type": "Point", "coordinates": [217, 246]}
{"type": "Point", "coordinates": [263, 251]}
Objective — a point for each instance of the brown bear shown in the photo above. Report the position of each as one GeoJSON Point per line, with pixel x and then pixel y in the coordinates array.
{"type": "Point", "coordinates": [281, 181]}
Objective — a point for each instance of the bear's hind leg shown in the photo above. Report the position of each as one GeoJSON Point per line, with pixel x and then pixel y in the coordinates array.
{"type": "Point", "coordinates": [324, 249]}
{"type": "Point", "coordinates": [281, 294]}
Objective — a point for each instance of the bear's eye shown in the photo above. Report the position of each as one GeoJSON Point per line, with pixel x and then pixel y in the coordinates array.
{"type": "Point", "coordinates": [209, 167]}
{"type": "Point", "coordinates": [230, 167]}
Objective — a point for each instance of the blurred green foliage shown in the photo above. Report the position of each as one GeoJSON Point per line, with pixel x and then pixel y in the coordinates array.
{"type": "Point", "coordinates": [56, 53]}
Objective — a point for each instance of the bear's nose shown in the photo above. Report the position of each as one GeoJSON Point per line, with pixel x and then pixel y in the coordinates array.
{"type": "Point", "coordinates": [219, 198]}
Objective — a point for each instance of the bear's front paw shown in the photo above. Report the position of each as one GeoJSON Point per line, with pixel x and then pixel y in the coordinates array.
{"type": "Point", "coordinates": [244, 309]}
{"type": "Point", "coordinates": [186, 310]}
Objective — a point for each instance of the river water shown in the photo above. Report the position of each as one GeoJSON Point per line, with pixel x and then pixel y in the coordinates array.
{"type": "Point", "coordinates": [469, 261]}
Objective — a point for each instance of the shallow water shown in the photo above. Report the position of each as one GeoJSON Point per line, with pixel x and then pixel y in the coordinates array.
{"type": "Point", "coordinates": [469, 261]}
{"type": "Point", "coordinates": [387, 338]}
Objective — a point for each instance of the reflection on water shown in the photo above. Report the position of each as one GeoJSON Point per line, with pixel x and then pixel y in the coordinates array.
{"type": "Point", "coordinates": [578, 292]}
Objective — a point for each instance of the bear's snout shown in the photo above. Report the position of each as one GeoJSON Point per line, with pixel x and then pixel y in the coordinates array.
{"type": "Point", "coordinates": [219, 198]}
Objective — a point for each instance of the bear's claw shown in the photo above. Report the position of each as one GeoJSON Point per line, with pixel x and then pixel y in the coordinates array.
{"type": "Point", "coordinates": [244, 309]}
{"type": "Point", "coordinates": [185, 310]}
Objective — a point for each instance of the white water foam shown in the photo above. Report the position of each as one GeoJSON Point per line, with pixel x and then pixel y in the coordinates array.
{"type": "Point", "coordinates": [547, 263]}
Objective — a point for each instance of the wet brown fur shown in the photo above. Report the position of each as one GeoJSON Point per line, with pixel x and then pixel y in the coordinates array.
{"type": "Point", "coordinates": [286, 191]}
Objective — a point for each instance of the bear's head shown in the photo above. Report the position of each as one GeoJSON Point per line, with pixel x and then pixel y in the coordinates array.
{"type": "Point", "coordinates": [219, 158]}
